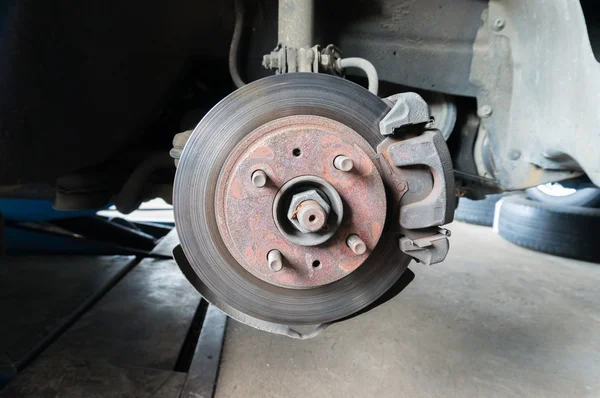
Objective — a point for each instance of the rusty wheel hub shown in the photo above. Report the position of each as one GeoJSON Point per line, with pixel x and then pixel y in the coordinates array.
{"type": "Point", "coordinates": [300, 203]}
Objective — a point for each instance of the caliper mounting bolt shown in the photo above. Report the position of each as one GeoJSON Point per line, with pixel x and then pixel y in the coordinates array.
{"type": "Point", "coordinates": [343, 163]}
{"type": "Point", "coordinates": [484, 111]}
{"type": "Point", "coordinates": [498, 24]}
{"type": "Point", "coordinates": [356, 244]}
{"type": "Point", "coordinates": [259, 178]}
{"type": "Point", "coordinates": [275, 260]}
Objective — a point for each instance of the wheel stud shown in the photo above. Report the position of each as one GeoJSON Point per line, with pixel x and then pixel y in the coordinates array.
{"type": "Point", "coordinates": [275, 260]}
{"type": "Point", "coordinates": [356, 244]}
{"type": "Point", "coordinates": [343, 163]}
{"type": "Point", "coordinates": [259, 178]}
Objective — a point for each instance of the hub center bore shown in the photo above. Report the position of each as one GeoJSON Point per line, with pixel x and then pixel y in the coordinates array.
{"type": "Point", "coordinates": [300, 202]}
{"type": "Point", "coordinates": [308, 210]}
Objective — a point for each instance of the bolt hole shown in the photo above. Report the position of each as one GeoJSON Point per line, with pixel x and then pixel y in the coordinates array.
{"type": "Point", "coordinates": [209, 357]}
{"type": "Point", "coordinates": [297, 152]}
{"type": "Point", "coordinates": [316, 264]}
{"type": "Point", "coordinates": [311, 218]}
{"type": "Point", "coordinates": [395, 53]}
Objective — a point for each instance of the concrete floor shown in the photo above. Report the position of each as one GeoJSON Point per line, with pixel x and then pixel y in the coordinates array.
{"type": "Point", "coordinates": [492, 320]}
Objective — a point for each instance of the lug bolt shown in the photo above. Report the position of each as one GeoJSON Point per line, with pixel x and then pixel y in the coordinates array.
{"type": "Point", "coordinates": [275, 260]}
{"type": "Point", "coordinates": [356, 244]}
{"type": "Point", "coordinates": [259, 178]}
{"type": "Point", "coordinates": [343, 163]}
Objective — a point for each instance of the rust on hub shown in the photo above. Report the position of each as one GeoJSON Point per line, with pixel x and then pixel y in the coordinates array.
{"type": "Point", "coordinates": [285, 149]}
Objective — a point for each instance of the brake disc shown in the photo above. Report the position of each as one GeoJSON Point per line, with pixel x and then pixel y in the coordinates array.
{"type": "Point", "coordinates": [263, 153]}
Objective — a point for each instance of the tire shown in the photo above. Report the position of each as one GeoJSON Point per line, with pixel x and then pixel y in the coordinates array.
{"type": "Point", "coordinates": [480, 212]}
{"type": "Point", "coordinates": [584, 197]}
{"type": "Point", "coordinates": [565, 231]}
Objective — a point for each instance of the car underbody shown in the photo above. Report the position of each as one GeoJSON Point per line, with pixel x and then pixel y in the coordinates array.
{"type": "Point", "coordinates": [302, 189]}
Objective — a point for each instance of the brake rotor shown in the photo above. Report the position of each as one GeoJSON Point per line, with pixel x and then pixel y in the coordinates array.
{"type": "Point", "coordinates": [289, 127]}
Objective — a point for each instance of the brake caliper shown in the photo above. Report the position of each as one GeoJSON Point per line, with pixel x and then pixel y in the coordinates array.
{"type": "Point", "coordinates": [418, 170]}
